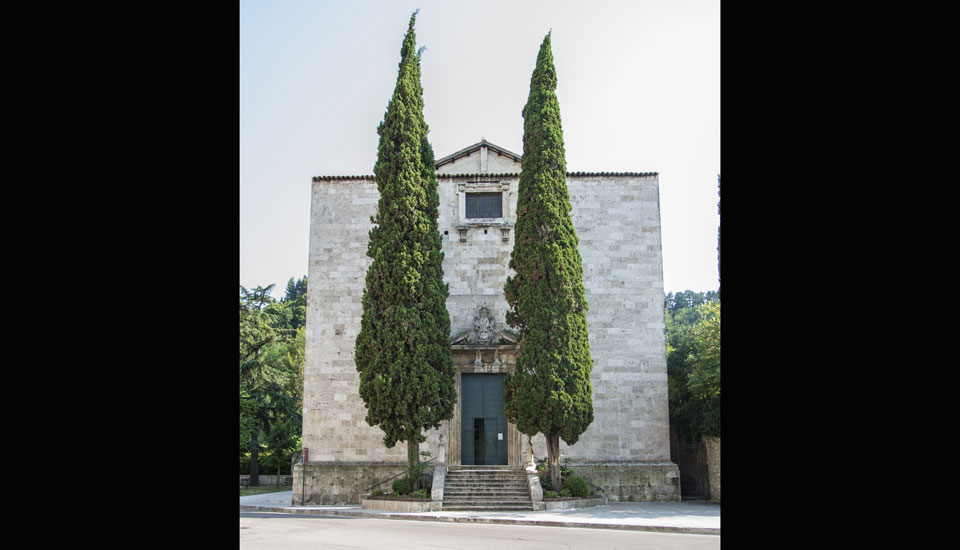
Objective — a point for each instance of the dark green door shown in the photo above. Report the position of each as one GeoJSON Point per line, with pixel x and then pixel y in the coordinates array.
{"type": "Point", "coordinates": [482, 423]}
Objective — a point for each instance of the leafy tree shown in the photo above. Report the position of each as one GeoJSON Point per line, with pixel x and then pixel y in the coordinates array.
{"type": "Point", "coordinates": [703, 380]}
{"type": "Point", "coordinates": [271, 377]}
{"type": "Point", "coordinates": [256, 298]}
{"type": "Point", "coordinates": [407, 378]}
{"type": "Point", "coordinates": [693, 369]}
{"type": "Point", "coordinates": [295, 289]}
{"type": "Point", "coordinates": [550, 390]}
{"type": "Point", "coordinates": [282, 442]}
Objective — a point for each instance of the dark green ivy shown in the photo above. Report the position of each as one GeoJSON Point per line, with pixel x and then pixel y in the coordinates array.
{"type": "Point", "coordinates": [407, 378]}
{"type": "Point", "coordinates": [550, 390]}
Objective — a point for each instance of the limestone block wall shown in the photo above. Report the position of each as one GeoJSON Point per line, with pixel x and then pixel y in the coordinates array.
{"type": "Point", "coordinates": [654, 481]}
{"type": "Point", "coordinates": [617, 218]}
{"type": "Point", "coordinates": [339, 483]}
{"type": "Point", "coordinates": [334, 425]}
{"type": "Point", "coordinates": [475, 270]}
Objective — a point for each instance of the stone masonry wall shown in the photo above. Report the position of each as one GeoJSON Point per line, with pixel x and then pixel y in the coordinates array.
{"type": "Point", "coordinates": [647, 482]}
{"type": "Point", "coordinates": [339, 483]}
{"type": "Point", "coordinates": [334, 425]}
{"type": "Point", "coordinates": [617, 219]}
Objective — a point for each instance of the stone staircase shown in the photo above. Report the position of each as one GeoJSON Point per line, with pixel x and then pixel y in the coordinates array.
{"type": "Point", "coordinates": [487, 488]}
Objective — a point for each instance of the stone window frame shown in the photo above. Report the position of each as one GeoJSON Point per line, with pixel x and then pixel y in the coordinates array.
{"type": "Point", "coordinates": [501, 187]}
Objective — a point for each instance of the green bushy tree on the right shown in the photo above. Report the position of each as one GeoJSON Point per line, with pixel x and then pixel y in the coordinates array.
{"type": "Point", "coordinates": [549, 391]}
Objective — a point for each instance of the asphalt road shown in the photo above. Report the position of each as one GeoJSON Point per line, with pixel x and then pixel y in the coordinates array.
{"type": "Point", "coordinates": [261, 530]}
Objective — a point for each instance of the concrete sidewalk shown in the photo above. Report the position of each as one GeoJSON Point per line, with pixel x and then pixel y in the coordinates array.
{"type": "Point", "coordinates": [697, 517]}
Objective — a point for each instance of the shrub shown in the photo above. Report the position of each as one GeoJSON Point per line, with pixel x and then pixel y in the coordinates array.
{"type": "Point", "coordinates": [577, 486]}
{"type": "Point", "coordinates": [420, 493]}
{"type": "Point", "coordinates": [549, 494]}
{"type": "Point", "coordinates": [401, 486]}
{"type": "Point", "coordinates": [565, 493]}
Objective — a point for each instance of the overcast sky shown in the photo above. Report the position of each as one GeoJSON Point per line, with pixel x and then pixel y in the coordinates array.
{"type": "Point", "coordinates": [638, 85]}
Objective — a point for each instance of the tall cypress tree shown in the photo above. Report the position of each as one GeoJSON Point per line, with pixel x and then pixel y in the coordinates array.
{"type": "Point", "coordinates": [550, 390]}
{"type": "Point", "coordinates": [407, 378]}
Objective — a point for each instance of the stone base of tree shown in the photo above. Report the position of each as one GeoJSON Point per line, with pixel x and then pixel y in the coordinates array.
{"type": "Point", "coordinates": [633, 481]}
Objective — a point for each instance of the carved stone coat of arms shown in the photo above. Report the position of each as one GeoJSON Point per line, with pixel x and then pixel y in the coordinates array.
{"type": "Point", "coordinates": [483, 326]}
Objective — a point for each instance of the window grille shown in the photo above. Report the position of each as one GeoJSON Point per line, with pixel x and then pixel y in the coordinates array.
{"type": "Point", "coordinates": [484, 205]}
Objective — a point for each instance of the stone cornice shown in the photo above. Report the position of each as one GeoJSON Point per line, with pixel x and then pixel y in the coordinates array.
{"type": "Point", "coordinates": [370, 177]}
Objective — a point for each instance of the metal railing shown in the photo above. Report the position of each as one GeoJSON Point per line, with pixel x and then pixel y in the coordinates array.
{"type": "Point", "coordinates": [597, 487]}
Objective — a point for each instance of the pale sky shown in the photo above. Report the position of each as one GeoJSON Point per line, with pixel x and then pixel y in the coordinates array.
{"type": "Point", "coordinates": [638, 86]}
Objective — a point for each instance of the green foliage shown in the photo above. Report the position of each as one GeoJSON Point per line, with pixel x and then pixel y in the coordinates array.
{"type": "Point", "coordinates": [543, 470]}
{"type": "Point", "coordinates": [693, 364]}
{"type": "Point", "coordinates": [282, 443]}
{"type": "Point", "coordinates": [550, 494]}
{"type": "Point", "coordinates": [270, 380]}
{"type": "Point", "coordinates": [402, 353]}
{"type": "Point", "coordinates": [420, 493]}
{"type": "Point", "coordinates": [295, 289]}
{"type": "Point", "coordinates": [689, 300]}
{"type": "Point", "coordinates": [550, 390]}
{"type": "Point", "coordinates": [577, 486]}
{"type": "Point", "coordinates": [401, 486]}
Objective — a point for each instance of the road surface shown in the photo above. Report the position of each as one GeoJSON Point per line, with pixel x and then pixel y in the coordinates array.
{"type": "Point", "coordinates": [268, 530]}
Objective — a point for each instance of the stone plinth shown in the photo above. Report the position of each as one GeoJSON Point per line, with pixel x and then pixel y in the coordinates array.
{"type": "Point", "coordinates": [633, 482]}
{"type": "Point", "coordinates": [344, 483]}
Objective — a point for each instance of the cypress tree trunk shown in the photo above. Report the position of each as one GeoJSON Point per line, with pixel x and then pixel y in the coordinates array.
{"type": "Point", "coordinates": [549, 391]}
{"type": "Point", "coordinates": [553, 459]}
{"type": "Point", "coordinates": [407, 377]}
{"type": "Point", "coordinates": [413, 457]}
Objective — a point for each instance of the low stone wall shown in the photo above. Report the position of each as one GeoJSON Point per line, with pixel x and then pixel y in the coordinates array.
{"type": "Point", "coordinates": [439, 480]}
{"type": "Point", "coordinates": [633, 481]}
{"type": "Point", "coordinates": [536, 490]}
{"type": "Point", "coordinates": [396, 504]}
{"type": "Point", "coordinates": [571, 503]}
{"type": "Point", "coordinates": [267, 479]}
{"type": "Point", "coordinates": [713, 466]}
{"type": "Point", "coordinates": [339, 483]}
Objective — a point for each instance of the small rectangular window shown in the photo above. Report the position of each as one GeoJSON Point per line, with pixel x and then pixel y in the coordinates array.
{"type": "Point", "coordinates": [484, 205]}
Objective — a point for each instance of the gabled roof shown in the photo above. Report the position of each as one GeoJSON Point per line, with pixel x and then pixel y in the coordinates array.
{"type": "Point", "coordinates": [466, 151]}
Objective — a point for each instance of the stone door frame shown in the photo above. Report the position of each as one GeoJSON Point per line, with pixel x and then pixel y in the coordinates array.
{"type": "Point", "coordinates": [472, 359]}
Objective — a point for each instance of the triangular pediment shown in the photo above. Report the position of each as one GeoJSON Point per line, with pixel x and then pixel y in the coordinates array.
{"type": "Point", "coordinates": [482, 157]}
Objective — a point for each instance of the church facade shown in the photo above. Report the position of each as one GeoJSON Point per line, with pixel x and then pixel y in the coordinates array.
{"type": "Point", "coordinates": [626, 449]}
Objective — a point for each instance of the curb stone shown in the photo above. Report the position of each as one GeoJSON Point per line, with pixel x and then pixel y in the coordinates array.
{"type": "Point", "coordinates": [475, 519]}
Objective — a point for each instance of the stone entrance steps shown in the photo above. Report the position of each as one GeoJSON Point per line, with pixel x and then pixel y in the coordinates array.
{"type": "Point", "coordinates": [486, 488]}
